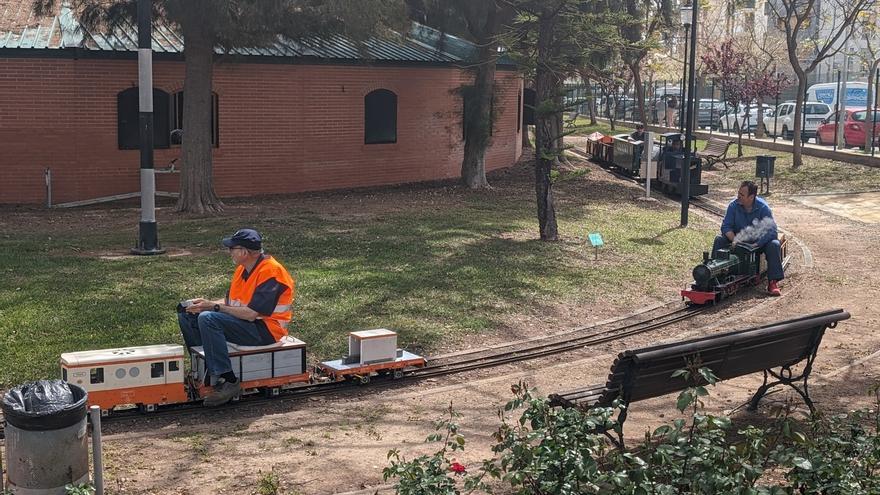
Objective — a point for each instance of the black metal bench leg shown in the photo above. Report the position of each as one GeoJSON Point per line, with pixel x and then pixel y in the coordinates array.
{"type": "Point", "coordinates": [753, 402]}
{"type": "Point", "coordinates": [621, 418]}
{"type": "Point", "coordinates": [783, 377]}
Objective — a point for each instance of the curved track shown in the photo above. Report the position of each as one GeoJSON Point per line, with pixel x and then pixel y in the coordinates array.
{"type": "Point", "coordinates": [577, 338]}
{"type": "Point", "coordinates": [554, 344]}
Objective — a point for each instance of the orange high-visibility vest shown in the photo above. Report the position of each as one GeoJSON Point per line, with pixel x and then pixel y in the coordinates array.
{"type": "Point", "coordinates": [241, 292]}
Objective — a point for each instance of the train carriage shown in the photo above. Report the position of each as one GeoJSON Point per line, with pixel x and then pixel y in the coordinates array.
{"type": "Point", "coordinates": [269, 368]}
{"type": "Point", "coordinates": [371, 352]}
{"type": "Point", "coordinates": [144, 376]}
{"type": "Point", "coordinates": [627, 156]}
{"type": "Point", "coordinates": [148, 377]}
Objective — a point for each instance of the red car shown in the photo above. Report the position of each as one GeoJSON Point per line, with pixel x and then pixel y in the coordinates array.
{"type": "Point", "coordinates": [854, 129]}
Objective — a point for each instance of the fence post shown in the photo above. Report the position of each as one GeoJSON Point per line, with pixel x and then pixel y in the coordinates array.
{"type": "Point", "coordinates": [837, 111]}
{"type": "Point", "coordinates": [872, 99]}
{"type": "Point", "coordinates": [776, 117]}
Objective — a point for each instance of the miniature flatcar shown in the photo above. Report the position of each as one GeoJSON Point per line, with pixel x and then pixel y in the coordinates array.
{"type": "Point", "coordinates": [148, 377]}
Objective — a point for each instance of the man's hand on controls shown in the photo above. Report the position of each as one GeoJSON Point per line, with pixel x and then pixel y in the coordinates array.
{"type": "Point", "coordinates": [199, 305]}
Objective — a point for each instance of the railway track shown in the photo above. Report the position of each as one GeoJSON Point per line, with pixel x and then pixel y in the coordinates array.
{"type": "Point", "coordinates": [515, 352]}
{"type": "Point", "coordinates": [577, 338]}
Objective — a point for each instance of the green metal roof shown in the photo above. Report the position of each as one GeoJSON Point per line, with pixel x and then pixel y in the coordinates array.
{"type": "Point", "coordinates": [422, 45]}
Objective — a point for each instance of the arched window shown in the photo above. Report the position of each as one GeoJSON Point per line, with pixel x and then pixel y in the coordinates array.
{"type": "Point", "coordinates": [529, 97]}
{"type": "Point", "coordinates": [380, 117]}
{"type": "Point", "coordinates": [519, 111]}
{"type": "Point", "coordinates": [128, 119]}
{"type": "Point", "coordinates": [177, 118]}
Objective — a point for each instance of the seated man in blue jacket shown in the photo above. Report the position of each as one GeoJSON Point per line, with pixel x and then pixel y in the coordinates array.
{"type": "Point", "coordinates": [749, 220]}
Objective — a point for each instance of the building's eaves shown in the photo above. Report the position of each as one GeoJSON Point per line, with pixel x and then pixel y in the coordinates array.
{"type": "Point", "coordinates": [64, 31]}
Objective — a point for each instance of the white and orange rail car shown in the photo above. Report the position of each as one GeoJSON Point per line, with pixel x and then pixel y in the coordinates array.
{"type": "Point", "coordinates": [145, 376]}
{"type": "Point", "coordinates": [150, 376]}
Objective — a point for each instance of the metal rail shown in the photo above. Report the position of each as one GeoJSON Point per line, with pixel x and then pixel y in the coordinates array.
{"type": "Point", "coordinates": [533, 351]}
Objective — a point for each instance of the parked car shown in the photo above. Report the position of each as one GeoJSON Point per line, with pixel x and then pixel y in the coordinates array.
{"type": "Point", "coordinates": [854, 128]}
{"type": "Point", "coordinates": [781, 122]}
{"type": "Point", "coordinates": [737, 119]}
{"type": "Point", "coordinates": [709, 111]}
{"type": "Point", "coordinates": [623, 107]}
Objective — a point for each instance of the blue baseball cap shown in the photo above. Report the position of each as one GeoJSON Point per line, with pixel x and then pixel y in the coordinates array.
{"type": "Point", "coordinates": [246, 238]}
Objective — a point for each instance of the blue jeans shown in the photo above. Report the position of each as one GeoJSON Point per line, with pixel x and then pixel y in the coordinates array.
{"type": "Point", "coordinates": [772, 250]}
{"type": "Point", "coordinates": [213, 330]}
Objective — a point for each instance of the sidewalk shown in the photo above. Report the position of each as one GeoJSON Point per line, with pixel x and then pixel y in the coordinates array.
{"type": "Point", "coordinates": [862, 207]}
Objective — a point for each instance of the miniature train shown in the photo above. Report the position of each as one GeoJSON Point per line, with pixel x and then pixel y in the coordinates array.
{"type": "Point", "coordinates": [726, 273]}
{"type": "Point", "coordinates": [148, 377]}
{"type": "Point", "coordinates": [627, 156]}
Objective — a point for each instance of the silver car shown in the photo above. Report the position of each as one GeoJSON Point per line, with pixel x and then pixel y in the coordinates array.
{"type": "Point", "coordinates": [737, 119]}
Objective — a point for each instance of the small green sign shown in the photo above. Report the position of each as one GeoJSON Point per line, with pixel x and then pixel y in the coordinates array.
{"type": "Point", "coordinates": [596, 239]}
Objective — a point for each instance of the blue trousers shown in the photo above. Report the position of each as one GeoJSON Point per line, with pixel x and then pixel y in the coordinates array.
{"type": "Point", "coordinates": [772, 250]}
{"type": "Point", "coordinates": [213, 330]}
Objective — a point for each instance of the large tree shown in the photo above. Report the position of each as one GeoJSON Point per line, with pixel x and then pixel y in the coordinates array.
{"type": "Point", "coordinates": [210, 24]}
{"type": "Point", "coordinates": [551, 39]}
{"type": "Point", "coordinates": [869, 30]}
{"type": "Point", "coordinates": [640, 27]}
{"type": "Point", "coordinates": [481, 22]}
{"type": "Point", "coordinates": [743, 79]}
{"type": "Point", "coordinates": [814, 31]}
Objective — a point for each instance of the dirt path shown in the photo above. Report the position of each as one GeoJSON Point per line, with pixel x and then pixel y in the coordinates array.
{"type": "Point", "coordinates": [339, 444]}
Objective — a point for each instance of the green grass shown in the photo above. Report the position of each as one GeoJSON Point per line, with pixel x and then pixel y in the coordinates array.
{"type": "Point", "coordinates": [816, 175]}
{"type": "Point", "coordinates": [439, 265]}
{"type": "Point", "coordinates": [582, 127]}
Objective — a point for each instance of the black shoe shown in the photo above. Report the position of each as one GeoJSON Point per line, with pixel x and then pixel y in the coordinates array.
{"type": "Point", "coordinates": [222, 393]}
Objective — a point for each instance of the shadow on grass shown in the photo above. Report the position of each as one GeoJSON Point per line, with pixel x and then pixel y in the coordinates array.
{"type": "Point", "coordinates": [436, 272]}
{"type": "Point", "coordinates": [655, 240]}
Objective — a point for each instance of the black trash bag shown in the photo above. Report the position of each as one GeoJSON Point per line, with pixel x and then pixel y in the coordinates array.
{"type": "Point", "coordinates": [45, 405]}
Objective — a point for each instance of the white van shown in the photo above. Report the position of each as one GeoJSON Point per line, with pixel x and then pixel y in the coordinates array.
{"type": "Point", "coordinates": [781, 121]}
{"type": "Point", "coordinates": [856, 94]}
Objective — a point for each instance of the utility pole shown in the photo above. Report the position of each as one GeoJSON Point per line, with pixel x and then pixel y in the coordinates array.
{"type": "Point", "coordinates": [148, 232]}
{"type": "Point", "coordinates": [685, 188]}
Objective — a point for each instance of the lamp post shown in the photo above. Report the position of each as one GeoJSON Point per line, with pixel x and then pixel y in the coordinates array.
{"type": "Point", "coordinates": [689, 17]}
{"type": "Point", "coordinates": [148, 235]}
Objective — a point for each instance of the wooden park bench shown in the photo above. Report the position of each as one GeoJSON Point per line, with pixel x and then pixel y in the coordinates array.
{"type": "Point", "coordinates": [715, 151]}
{"type": "Point", "coordinates": [774, 349]}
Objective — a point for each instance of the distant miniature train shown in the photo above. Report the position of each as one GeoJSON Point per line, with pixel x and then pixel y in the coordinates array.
{"type": "Point", "coordinates": [148, 377]}
{"type": "Point", "coordinates": [726, 273]}
{"type": "Point", "coordinates": [627, 156]}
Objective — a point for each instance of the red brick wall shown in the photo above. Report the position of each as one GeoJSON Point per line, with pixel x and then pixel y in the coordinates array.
{"type": "Point", "coordinates": [283, 128]}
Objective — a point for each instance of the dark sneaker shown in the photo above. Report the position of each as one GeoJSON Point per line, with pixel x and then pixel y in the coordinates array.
{"type": "Point", "coordinates": [222, 393]}
{"type": "Point", "coordinates": [773, 288]}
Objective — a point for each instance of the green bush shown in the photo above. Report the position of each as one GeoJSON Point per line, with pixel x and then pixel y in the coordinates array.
{"type": "Point", "coordinates": [566, 451]}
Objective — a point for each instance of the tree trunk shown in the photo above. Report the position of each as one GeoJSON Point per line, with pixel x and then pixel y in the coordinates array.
{"type": "Point", "coordinates": [759, 131]}
{"type": "Point", "coordinates": [559, 126]}
{"type": "Point", "coordinates": [480, 121]}
{"type": "Point", "coordinates": [869, 117]}
{"type": "Point", "coordinates": [526, 142]}
{"type": "Point", "coordinates": [797, 158]}
{"type": "Point", "coordinates": [591, 102]}
{"type": "Point", "coordinates": [197, 174]}
{"type": "Point", "coordinates": [544, 124]}
{"type": "Point", "coordinates": [639, 90]}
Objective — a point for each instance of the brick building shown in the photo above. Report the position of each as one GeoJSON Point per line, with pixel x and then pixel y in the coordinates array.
{"type": "Point", "coordinates": [287, 118]}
